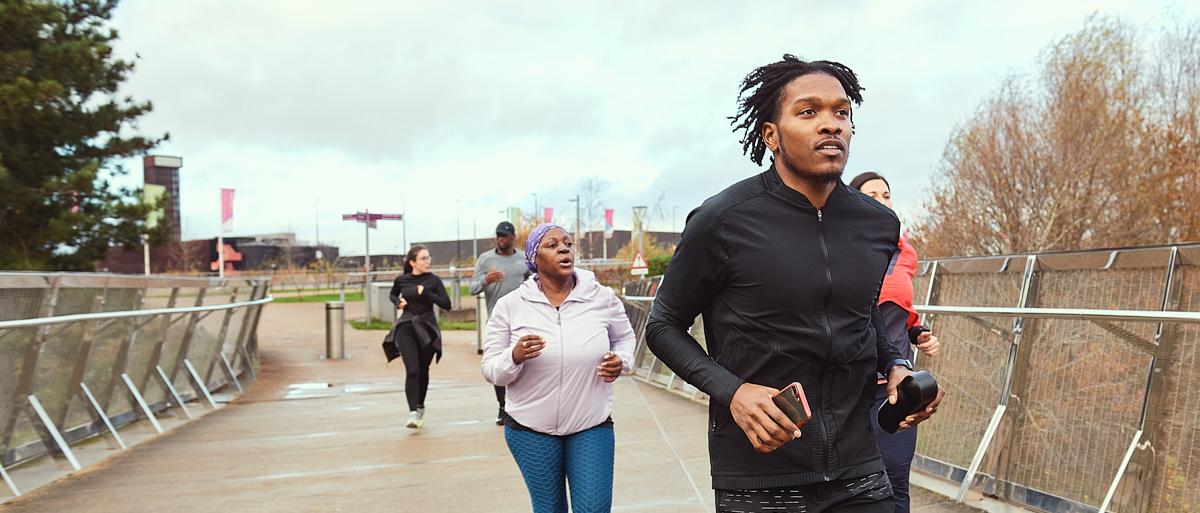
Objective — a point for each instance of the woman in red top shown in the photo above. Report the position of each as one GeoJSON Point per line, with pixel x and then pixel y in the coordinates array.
{"type": "Point", "coordinates": [903, 329]}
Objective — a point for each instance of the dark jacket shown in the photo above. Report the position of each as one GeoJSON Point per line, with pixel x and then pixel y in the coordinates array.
{"type": "Point", "coordinates": [788, 293]}
{"type": "Point", "coordinates": [418, 312]}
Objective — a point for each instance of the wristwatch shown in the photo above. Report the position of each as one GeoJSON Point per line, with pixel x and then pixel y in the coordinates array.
{"type": "Point", "coordinates": [887, 368]}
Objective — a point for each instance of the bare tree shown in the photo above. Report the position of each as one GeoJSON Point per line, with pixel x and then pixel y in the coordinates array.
{"type": "Point", "coordinates": [1098, 149]}
{"type": "Point", "coordinates": [593, 203]}
{"type": "Point", "coordinates": [660, 211]}
{"type": "Point", "coordinates": [592, 209]}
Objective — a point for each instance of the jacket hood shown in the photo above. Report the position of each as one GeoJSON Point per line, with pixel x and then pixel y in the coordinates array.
{"type": "Point", "coordinates": [586, 288]}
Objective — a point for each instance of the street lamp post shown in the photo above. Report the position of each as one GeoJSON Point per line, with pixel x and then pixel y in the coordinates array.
{"type": "Point", "coordinates": [577, 234]}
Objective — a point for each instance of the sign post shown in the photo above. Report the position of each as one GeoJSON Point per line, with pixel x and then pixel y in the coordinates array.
{"type": "Point", "coordinates": [369, 221]}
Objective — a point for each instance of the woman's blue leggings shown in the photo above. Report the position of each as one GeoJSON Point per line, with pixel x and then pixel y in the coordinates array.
{"type": "Point", "coordinates": [583, 460]}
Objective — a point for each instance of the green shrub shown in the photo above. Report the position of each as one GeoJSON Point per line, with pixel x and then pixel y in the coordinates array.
{"type": "Point", "coordinates": [658, 264]}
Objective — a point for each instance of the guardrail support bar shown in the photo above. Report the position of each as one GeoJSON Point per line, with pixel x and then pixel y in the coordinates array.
{"type": "Point", "coordinates": [141, 402]}
{"type": "Point", "coordinates": [49, 425]}
{"type": "Point", "coordinates": [103, 416]}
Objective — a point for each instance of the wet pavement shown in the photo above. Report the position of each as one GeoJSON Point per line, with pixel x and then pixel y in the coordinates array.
{"type": "Point", "coordinates": [324, 436]}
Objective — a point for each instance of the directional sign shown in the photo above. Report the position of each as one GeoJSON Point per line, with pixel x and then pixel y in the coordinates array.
{"type": "Point", "coordinates": [371, 220]}
{"type": "Point", "coordinates": [639, 266]}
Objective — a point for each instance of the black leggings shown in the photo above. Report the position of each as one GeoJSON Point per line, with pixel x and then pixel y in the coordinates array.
{"type": "Point", "coordinates": [897, 450]}
{"type": "Point", "coordinates": [416, 365]}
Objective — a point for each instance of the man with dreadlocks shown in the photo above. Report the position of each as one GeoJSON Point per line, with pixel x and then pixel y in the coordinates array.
{"type": "Point", "coordinates": [786, 268]}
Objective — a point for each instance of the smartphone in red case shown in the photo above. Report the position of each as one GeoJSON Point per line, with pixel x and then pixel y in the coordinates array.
{"type": "Point", "coordinates": [792, 402]}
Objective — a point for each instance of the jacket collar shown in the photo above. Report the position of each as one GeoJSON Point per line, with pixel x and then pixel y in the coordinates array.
{"type": "Point", "coordinates": [775, 184]}
{"type": "Point", "coordinates": [585, 289]}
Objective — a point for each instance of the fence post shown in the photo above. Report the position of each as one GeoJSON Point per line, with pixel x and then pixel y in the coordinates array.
{"type": "Point", "coordinates": [220, 345]}
{"type": "Point", "coordinates": [122, 361]}
{"type": "Point", "coordinates": [926, 320]}
{"type": "Point", "coordinates": [24, 386]}
{"type": "Point", "coordinates": [1006, 390]}
{"type": "Point", "coordinates": [156, 353]}
{"type": "Point", "coordinates": [1151, 398]}
{"type": "Point", "coordinates": [184, 346]}
{"type": "Point", "coordinates": [250, 345]}
{"type": "Point", "coordinates": [81, 358]}
{"type": "Point", "coordinates": [239, 347]}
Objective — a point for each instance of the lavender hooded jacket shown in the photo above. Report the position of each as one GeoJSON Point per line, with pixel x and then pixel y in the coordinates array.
{"type": "Point", "coordinates": [559, 392]}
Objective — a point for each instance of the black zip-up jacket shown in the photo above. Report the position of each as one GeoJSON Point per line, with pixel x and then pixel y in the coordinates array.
{"type": "Point", "coordinates": [788, 293]}
{"type": "Point", "coordinates": [419, 310]}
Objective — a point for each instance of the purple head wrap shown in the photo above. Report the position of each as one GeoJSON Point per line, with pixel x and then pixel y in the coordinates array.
{"type": "Point", "coordinates": [535, 240]}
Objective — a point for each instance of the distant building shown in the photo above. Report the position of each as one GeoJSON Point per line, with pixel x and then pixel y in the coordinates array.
{"type": "Point", "coordinates": [383, 262]}
{"type": "Point", "coordinates": [270, 251]}
{"type": "Point", "coordinates": [590, 246]}
{"type": "Point", "coordinates": [163, 170]}
{"type": "Point", "coordinates": [249, 253]}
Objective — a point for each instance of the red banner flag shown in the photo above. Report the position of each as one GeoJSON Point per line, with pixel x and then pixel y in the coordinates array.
{"type": "Point", "coordinates": [548, 215]}
{"type": "Point", "coordinates": [226, 210]}
{"type": "Point", "coordinates": [608, 223]}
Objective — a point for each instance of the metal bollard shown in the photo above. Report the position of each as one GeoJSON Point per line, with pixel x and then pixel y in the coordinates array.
{"type": "Point", "coordinates": [335, 330]}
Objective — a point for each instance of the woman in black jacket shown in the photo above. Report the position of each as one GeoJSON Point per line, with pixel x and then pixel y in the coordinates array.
{"type": "Point", "coordinates": [416, 334]}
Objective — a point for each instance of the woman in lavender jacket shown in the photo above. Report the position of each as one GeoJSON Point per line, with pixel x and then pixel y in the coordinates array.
{"type": "Point", "coordinates": [558, 343]}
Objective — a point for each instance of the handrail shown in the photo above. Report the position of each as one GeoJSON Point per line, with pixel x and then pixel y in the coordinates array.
{"type": "Point", "coordinates": [1081, 314]}
{"type": "Point", "coordinates": [60, 319]}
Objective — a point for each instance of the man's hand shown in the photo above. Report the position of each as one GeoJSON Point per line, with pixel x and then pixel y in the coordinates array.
{"type": "Point", "coordinates": [928, 344]}
{"type": "Point", "coordinates": [764, 424]}
{"type": "Point", "coordinates": [493, 277]}
{"type": "Point", "coordinates": [610, 368]}
{"type": "Point", "coordinates": [900, 372]}
{"type": "Point", "coordinates": [528, 348]}
{"type": "Point", "coordinates": [401, 303]}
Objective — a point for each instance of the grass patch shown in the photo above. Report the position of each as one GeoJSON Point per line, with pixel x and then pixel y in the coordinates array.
{"type": "Point", "coordinates": [320, 298]}
{"type": "Point", "coordinates": [456, 325]}
{"type": "Point", "coordinates": [446, 325]}
{"type": "Point", "coordinates": [359, 324]}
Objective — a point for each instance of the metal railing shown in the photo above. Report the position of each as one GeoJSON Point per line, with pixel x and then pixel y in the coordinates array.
{"type": "Point", "coordinates": [1072, 377]}
{"type": "Point", "coordinates": [84, 354]}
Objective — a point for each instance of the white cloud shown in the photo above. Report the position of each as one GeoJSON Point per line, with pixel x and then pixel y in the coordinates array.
{"type": "Point", "coordinates": [355, 104]}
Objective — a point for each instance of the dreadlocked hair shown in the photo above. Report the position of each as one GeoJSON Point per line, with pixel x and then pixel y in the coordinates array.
{"type": "Point", "coordinates": [762, 105]}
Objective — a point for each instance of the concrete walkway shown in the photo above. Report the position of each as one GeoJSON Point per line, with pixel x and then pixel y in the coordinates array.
{"type": "Point", "coordinates": [328, 436]}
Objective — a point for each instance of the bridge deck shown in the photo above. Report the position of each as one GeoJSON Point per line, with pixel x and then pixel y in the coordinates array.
{"type": "Point", "coordinates": [283, 447]}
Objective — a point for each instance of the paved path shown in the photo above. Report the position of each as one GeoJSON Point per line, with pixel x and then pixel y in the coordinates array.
{"type": "Point", "coordinates": [291, 447]}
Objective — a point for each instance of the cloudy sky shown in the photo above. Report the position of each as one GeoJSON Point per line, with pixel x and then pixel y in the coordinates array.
{"type": "Point", "coordinates": [456, 110]}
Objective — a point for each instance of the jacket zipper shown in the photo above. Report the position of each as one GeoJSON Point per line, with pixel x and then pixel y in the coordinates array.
{"type": "Point", "coordinates": [829, 337]}
{"type": "Point", "coordinates": [562, 347]}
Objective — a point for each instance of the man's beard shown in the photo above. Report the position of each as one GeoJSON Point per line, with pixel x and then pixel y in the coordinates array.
{"type": "Point", "coordinates": [806, 175]}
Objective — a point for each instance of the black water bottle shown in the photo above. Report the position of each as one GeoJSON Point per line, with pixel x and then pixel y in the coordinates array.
{"type": "Point", "coordinates": [914, 394]}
